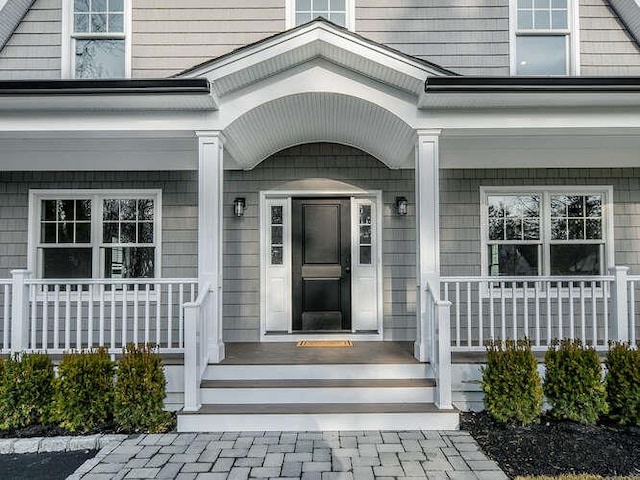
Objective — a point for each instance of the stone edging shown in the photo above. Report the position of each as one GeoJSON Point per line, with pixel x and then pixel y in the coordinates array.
{"type": "Point", "coordinates": [57, 444]}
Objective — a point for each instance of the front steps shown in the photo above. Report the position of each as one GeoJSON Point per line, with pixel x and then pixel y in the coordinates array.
{"type": "Point", "coordinates": [317, 397]}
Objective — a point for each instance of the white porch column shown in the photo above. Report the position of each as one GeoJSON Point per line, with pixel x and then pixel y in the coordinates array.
{"type": "Point", "coordinates": [210, 203]}
{"type": "Point", "coordinates": [428, 237]}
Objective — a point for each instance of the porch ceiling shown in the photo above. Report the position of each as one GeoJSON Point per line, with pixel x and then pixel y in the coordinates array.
{"type": "Point", "coordinates": [320, 117]}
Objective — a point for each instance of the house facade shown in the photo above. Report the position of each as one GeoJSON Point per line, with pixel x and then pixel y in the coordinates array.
{"type": "Point", "coordinates": [225, 180]}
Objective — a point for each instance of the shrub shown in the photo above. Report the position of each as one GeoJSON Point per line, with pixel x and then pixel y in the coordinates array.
{"type": "Point", "coordinates": [26, 391]}
{"type": "Point", "coordinates": [140, 391]}
{"type": "Point", "coordinates": [511, 384]}
{"type": "Point", "coordinates": [84, 393]}
{"type": "Point", "coordinates": [623, 383]}
{"type": "Point", "coordinates": [573, 382]}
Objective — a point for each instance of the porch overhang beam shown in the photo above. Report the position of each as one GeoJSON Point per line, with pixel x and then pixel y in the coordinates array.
{"type": "Point", "coordinates": [130, 94]}
{"type": "Point", "coordinates": [513, 92]}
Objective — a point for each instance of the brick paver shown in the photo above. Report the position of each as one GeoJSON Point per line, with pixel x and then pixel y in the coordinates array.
{"type": "Point", "coordinates": [304, 455]}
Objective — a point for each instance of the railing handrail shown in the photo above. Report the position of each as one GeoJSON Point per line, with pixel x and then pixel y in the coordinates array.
{"type": "Point", "coordinates": [202, 296]}
{"type": "Point", "coordinates": [532, 279]}
{"type": "Point", "coordinates": [107, 281]}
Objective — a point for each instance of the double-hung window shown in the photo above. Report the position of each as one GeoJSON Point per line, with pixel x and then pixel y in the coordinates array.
{"type": "Point", "coordinates": [98, 34]}
{"type": "Point", "coordinates": [90, 234]}
{"type": "Point", "coordinates": [550, 231]}
{"type": "Point", "coordinates": [543, 37]}
{"type": "Point", "coordinates": [340, 12]}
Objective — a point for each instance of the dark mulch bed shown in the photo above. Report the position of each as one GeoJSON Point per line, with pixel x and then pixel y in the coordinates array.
{"type": "Point", "coordinates": [554, 448]}
{"type": "Point", "coordinates": [50, 431]}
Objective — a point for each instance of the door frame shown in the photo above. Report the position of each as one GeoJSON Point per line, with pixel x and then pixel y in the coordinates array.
{"type": "Point", "coordinates": [266, 199]}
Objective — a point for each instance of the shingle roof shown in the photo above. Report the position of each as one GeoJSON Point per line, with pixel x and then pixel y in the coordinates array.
{"type": "Point", "coordinates": [10, 17]}
{"type": "Point", "coordinates": [629, 13]}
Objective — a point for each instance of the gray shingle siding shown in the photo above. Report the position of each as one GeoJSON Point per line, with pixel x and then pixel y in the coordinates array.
{"type": "Point", "coordinates": [34, 50]}
{"type": "Point", "coordinates": [179, 215]}
{"type": "Point", "coordinates": [242, 242]}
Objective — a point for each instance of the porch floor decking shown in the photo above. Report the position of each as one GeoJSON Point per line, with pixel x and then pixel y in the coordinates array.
{"type": "Point", "coordinates": [267, 353]}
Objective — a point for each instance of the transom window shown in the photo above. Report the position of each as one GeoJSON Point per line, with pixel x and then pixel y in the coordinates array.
{"type": "Point", "coordinates": [340, 12]}
{"type": "Point", "coordinates": [97, 235]}
{"type": "Point", "coordinates": [98, 39]}
{"type": "Point", "coordinates": [543, 37]}
{"type": "Point", "coordinates": [547, 232]}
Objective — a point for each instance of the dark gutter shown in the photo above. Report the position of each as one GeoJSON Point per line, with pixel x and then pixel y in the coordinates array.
{"type": "Point", "coordinates": [531, 84]}
{"type": "Point", "coordinates": [172, 86]}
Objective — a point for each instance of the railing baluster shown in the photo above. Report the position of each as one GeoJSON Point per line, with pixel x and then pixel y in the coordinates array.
{"type": "Point", "coordinates": [583, 318]}
{"type": "Point", "coordinates": [125, 325]}
{"type": "Point", "coordinates": [90, 315]}
{"type": "Point", "coordinates": [572, 334]}
{"type": "Point", "coordinates": [67, 317]}
{"type": "Point", "coordinates": [503, 312]}
{"type": "Point", "coordinates": [480, 319]}
{"type": "Point", "coordinates": [5, 319]}
{"type": "Point", "coordinates": [458, 313]}
{"type": "Point", "coordinates": [56, 316]}
{"type": "Point", "coordinates": [594, 316]}
{"type": "Point", "coordinates": [536, 293]}
{"type": "Point", "coordinates": [525, 308]}
{"type": "Point", "coordinates": [135, 314]}
{"type": "Point", "coordinates": [146, 313]}
{"type": "Point", "coordinates": [180, 318]}
{"type": "Point", "coordinates": [632, 312]}
{"type": "Point", "coordinates": [101, 332]}
{"type": "Point", "coordinates": [492, 322]}
{"type": "Point", "coordinates": [79, 318]}
{"type": "Point", "coordinates": [113, 317]}
{"type": "Point", "coordinates": [469, 321]}
{"type": "Point", "coordinates": [45, 320]}
{"type": "Point", "coordinates": [560, 319]}
{"type": "Point", "coordinates": [514, 309]}
{"type": "Point", "coordinates": [605, 298]}
{"type": "Point", "coordinates": [169, 315]}
{"type": "Point", "coordinates": [158, 313]}
{"type": "Point", "coordinates": [547, 285]}
{"type": "Point", "coordinates": [34, 316]}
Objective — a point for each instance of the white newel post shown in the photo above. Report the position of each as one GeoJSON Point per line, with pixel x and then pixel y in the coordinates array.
{"type": "Point", "coordinates": [443, 332]}
{"type": "Point", "coordinates": [428, 236]}
{"type": "Point", "coordinates": [20, 311]}
{"type": "Point", "coordinates": [191, 377]}
{"type": "Point", "coordinates": [620, 320]}
{"type": "Point", "coordinates": [210, 203]}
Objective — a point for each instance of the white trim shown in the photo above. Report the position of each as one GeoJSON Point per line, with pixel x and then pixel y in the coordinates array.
{"type": "Point", "coordinates": [545, 228]}
{"type": "Point", "coordinates": [286, 195]}
{"type": "Point", "coordinates": [572, 34]}
{"type": "Point", "coordinates": [350, 13]}
{"type": "Point", "coordinates": [96, 196]}
{"type": "Point", "coordinates": [67, 56]}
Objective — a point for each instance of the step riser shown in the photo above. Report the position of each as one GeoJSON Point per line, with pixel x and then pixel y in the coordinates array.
{"type": "Point", "coordinates": [316, 372]}
{"type": "Point", "coordinates": [316, 395]}
{"type": "Point", "coordinates": [318, 422]}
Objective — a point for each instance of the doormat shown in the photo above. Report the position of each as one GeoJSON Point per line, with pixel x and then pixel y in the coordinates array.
{"type": "Point", "coordinates": [325, 343]}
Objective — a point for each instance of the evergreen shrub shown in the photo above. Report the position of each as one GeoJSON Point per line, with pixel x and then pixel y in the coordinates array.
{"type": "Point", "coordinates": [573, 383]}
{"type": "Point", "coordinates": [511, 384]}
{"type": "Point", "coordinates": [84, 390]}
{"type": "Point", "coordinates": [623, 383]}
{"type": "Point", "coordinates": [26, 391]}
{"type": "Point", "coordinates": [140, 391]}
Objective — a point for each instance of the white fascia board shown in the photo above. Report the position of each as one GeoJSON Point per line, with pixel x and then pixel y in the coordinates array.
{"type": "Point", "coordinates": [461, 100]}
{"type": "Point", "coordinates": [91, 121]}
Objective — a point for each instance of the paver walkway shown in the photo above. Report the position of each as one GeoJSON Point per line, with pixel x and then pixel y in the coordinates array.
{"type": "Point", "coordinates": [307, 455]}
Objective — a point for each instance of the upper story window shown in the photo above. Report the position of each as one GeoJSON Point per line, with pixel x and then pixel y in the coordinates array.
{"type": "Point", "coordinates": [552, 231]}
{"type": "Point", "coordinates": [340, 12]}
{"type": "Point", "coordinates": [544, 37]}
{"type": "Point", "coordinates": [97, 39]}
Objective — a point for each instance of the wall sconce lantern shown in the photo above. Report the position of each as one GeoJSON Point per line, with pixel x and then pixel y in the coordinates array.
{"type": "Point", "coordinates": [401, 206]}
{"type": "Point", "coordinates": [239, 206]}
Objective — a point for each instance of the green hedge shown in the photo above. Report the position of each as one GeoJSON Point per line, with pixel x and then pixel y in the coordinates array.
{"type": "Point", "coordinates": [573, 382]}
{"type": "Point", "coordinates": [140, 391]}
{"type": "Point", "coordinates": [26, 391]}
{"type": "Point", "coordinates": [511, 384]}
{"type": "Point", "coordinates": [623, 383]}
{"type": "Point", "coordinates": [84, 391]}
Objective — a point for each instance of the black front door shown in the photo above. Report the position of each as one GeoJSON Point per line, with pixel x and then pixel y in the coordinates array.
{"type": "Point", "coordinates": [321, 237]}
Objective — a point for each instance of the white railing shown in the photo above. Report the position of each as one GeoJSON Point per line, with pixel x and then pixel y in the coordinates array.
{"type": "Point", "coordinates": [61, 315]}
{"type": "Point", "coordinates": [592, 309]}
{"type": "Point", "coordinates": [438, 311]}
{"type": "Point", "coordinates": [633, 296]}
{"type": "Point", "coordinates": [196, 355]}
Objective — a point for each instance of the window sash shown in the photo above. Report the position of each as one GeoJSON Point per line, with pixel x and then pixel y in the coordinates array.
{"type": "Point", "coordinates": [546, 243]}
{"type": "Point", "coordinates": [96, 245]}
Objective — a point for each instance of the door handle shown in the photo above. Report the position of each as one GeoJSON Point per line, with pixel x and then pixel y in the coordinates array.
{"type": "Point", "coordinates": [347, 269]}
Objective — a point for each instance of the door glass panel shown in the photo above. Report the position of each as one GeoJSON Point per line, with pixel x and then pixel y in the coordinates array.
{"type": "Point", "coordinates": [277, 235]}
{"type": "Point", "coordinates": [321, 234]}
{"type": "Point", "coordinates": [364, 234]}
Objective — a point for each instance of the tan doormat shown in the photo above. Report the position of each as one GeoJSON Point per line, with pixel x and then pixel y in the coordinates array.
{"type": "Point", "coordinates": [325, 343]}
